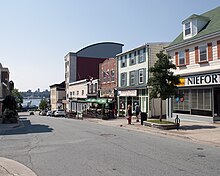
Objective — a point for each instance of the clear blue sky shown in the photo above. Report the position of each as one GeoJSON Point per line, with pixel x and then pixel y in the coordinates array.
{"type": "Point", "coordinates": [35, 35]}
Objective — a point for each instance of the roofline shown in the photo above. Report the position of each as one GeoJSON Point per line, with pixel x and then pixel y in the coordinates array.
{"type": "Point", "coordinates": [141, 46]}
{"type": "Point", "coordinates": [99, 44]}
{"type": "Point", "coordinates": [193, 41]}
{"type": "Point", "coordinates": [77, 82]}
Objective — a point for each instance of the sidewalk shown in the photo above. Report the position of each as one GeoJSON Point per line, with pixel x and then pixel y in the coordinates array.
{"type": "Point", "coordinates": [10, 167]}
{"type": "Point", "coordinates": [201, 132]}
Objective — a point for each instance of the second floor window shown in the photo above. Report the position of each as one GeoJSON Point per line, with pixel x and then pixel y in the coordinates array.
{"type": "Point", "coordinates": [82, 92]}
{"type": "Point", "coordinates": [132, 78]}
{"type": "Point", "coordinates": [104, 76]}
{"type": "Point", "coordinates": [77, 92]}
{"type": "Point", "coordinates": [141, 76]}
{"type": "Point", "coordinates": [202, 53]}
{"type": "Point", "coordinates": [112, 75]}
{"type": "Point", "coordinates": [181, 58]}
{"type": "Point", "coordinates": [123, 79]}
{"type": "Point", "coordinates": [132, 59]}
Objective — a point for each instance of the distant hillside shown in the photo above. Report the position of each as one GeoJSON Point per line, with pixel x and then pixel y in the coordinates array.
{"type": "Point", "coordinates": [36, 94]}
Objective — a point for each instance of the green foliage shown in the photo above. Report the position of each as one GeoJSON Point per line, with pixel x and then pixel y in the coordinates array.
{"type": "Point", "coordinates": [9, 103]}
{"type": "Point", "coordinates": [10, 116]}
{"type": "Point", "coordinates": [163, 82]}
{"type": "Point", "coordinates": [18, 97]}
{"type": "Point", "coordinates": [160, 122]}
{"type": "Point", "coordinates": [43, 104]}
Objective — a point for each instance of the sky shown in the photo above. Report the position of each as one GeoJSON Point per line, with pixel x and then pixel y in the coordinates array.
{"type": "Point", "coordinates": [35, 35]}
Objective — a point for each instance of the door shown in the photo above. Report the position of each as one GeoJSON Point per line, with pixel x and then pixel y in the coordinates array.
{"type": "Point", "coordinates": [217, 102]}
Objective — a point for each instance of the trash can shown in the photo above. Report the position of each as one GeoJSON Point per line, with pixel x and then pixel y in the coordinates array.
{"type": "Point", "coordinates": [143, 117]}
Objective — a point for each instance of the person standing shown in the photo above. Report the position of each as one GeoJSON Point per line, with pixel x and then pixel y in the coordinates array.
{"type": "Point", "coordinates": [137, 111]}
{"type": "Point", "coordinates": [129, 114]}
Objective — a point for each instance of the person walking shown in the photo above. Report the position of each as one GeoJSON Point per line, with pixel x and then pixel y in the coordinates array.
{"type": "Point", "coordinates": [129, 114]}
{"type": "Point", "coordinates": [137, 111]}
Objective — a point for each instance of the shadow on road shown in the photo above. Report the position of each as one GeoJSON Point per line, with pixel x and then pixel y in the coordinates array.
{"type": "Point", "coordinates": [27, 127]}
{"type": "Point", "coordinates": [197, 127]}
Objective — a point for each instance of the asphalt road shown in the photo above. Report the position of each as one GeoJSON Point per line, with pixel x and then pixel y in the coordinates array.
{"type": "Point", "coordinates": [66, 147]}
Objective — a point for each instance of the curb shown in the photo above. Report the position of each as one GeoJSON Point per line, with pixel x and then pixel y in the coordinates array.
{"type": "Point", "coordinates": [11, 167]}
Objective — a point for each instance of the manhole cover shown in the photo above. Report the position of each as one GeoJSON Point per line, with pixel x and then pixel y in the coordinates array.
{"type": "Point", "coordinates": [201, 156]}
{"type": "Point", "coordinates": [107, 135]}
{"type": "Point", "coordinates": [200, 148]}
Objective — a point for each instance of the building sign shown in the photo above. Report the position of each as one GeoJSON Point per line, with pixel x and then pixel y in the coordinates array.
{"type": "Point", "coordinates": [199, 80]}
{"type": "Point", "coordinates": [127, 93]}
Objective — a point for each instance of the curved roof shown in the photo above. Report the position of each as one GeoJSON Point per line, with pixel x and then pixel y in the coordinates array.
{"type": "Point", "coordinates": [100, 43]}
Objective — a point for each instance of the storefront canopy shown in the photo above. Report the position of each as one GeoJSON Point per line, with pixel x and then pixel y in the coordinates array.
{"type": "Point", "coordinates": [99, 100]}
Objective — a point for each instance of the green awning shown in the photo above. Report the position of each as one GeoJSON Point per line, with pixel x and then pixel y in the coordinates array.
{"type": "Point", "coordinates": [99, 100]}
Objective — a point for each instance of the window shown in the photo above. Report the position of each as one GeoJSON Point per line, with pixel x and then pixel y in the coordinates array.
{"type": "Point", "coordinates": [132, 59]}
{"type": "Point", "coordinates": [112, 75]}
{"type": "Point", "coordinates": [82, 92]}
{"type": "Point", "coordinates": [104, 76]}
{"type": "Point", "coordinates": [73, 93]}
{"type": "Point", "coordinates": [70, 94]}
{"type": "Point", "coordinates": [123, 61]}
{"type": "Point", "coordinates": [201, 99]}
{"type": "Point", "coordinates": [141, 76]}
{"type": "Point", "coordinates": [187, 28]}
{"type": "Point", "coordinates": [141, 56]}
{"type": "Point", "coordinates": [123, 79]}
{"type": "Point", "coordinates": [132, 78]}
{"type": "Point", "coordinates": [181, 58]}
{"type": "Point", "coordinates": [77, 92]}
{"type": "Point", "coordinates": [202, 53]}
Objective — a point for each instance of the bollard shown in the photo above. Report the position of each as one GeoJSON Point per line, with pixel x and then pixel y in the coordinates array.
{"type": "Point", "coordinates": [177, 122]}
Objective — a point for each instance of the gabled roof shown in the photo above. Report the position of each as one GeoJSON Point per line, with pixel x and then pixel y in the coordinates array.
{"type": "Point", "coordinates": [193, 16]}
{"type": "Point", "coordinates": [213, 26]}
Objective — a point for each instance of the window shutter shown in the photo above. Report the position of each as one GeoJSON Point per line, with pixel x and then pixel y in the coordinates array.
{"type": "Point", "coordinates": [196, 54]}
{"type": "Point", "coordinates": [210, 58]}
{"type": "Point", "coordinates": [176, 58]}
{"type": "Point", "coordinates": [218, 49]}
{"type": "Point", "coordinates": [187, 56]}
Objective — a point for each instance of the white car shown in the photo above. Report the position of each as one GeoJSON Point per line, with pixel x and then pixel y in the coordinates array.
{"type": "Point", "coordinates": [49, 113]}
{"type": "Point", "coordinates": [59, 112]}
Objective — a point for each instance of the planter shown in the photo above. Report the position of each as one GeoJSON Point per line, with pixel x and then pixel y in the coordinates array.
{"type": "Point", "coordinates": [160, 126]}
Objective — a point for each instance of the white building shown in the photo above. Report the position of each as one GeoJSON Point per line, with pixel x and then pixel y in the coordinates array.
{"type": "Point", "coordinates": [196, 53]}
{"type": "Point", "coordinates": [133, 74]}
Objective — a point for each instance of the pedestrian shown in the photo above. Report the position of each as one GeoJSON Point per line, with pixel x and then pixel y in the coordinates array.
{"type": "Point", "coordinates": [129, 114]}
{"type": "Point", "coordinates": [137, 111]}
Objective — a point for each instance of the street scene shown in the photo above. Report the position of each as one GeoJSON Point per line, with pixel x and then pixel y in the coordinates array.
{"type": "Point", "coordinates": [110, 88]}
{"type": "Point", "coordinates": [61, 146]}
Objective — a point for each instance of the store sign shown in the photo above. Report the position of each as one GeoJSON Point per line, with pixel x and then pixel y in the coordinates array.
{"type": "Point", "coordinates": [199, 80]}
{"type": "Point", "coordinates": [127, 93]}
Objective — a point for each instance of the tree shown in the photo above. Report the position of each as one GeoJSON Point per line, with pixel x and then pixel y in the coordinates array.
{"type": "Point", "coordinates": [43, 104]}
{"type": "Point", "coordinates": [18, 97]}
{"type": "Point", "coordinates": [163, 82]}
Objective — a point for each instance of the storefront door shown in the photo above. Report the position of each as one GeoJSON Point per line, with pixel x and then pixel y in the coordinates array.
{"type": "Point", "coordinates": [217, 102]}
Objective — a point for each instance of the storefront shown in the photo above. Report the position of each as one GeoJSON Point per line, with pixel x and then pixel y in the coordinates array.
{"type": "Point", "coordinates": [199, 95]}
{"type": "Point", "coordinates": [130, 97]}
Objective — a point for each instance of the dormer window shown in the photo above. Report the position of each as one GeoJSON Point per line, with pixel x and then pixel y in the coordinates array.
{"type": "Point", "coordinates": [187, 29]}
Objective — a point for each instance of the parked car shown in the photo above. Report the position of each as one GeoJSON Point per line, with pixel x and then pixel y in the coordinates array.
{"type": "Point", "coordinates": [43, 113]}
{"type": "Point", "coordinates": [31, 113]}
{"type": "Point", "coordinates": [49, 113]}
{"type": "Point", "coordinates": [59, 113]}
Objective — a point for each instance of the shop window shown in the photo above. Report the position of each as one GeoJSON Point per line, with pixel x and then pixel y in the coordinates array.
{"type": "Point", "coordinates": [182, 102]}
{"type": "Point", "coordinates": [201, 99]}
